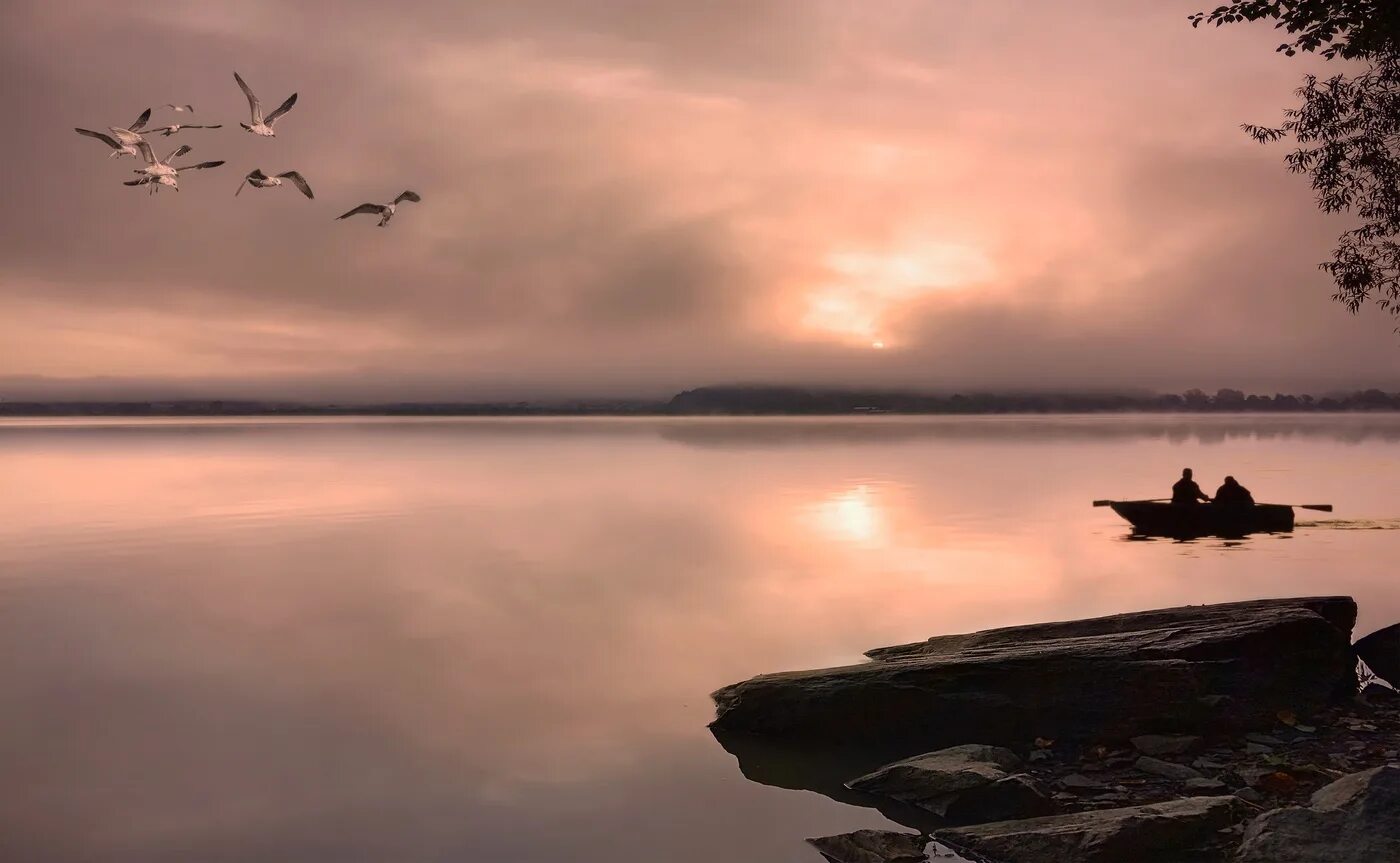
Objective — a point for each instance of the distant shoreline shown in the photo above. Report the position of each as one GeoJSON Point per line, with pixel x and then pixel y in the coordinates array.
{"type": "Point", "coordinates": [746, 401]}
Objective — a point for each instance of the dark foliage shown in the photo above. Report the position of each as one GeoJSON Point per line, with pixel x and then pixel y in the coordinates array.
{"type": "Point", "coordinates": [1347, 128]}
{"type": "Point", "coordinates": [1349, 29]}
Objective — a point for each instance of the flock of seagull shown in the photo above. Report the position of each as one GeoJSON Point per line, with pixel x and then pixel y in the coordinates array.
{"type": "Point", "coordinates": [131, 141]}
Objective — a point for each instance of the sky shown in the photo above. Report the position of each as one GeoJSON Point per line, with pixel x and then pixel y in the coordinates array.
{"type": "Point", "coordinates": [632, 197]}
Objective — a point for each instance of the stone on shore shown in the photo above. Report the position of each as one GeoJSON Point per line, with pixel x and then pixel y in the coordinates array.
{"type": "Point", "coordinates": [966, 784]}
{"type": "Point", "coordinates": [1165, 744]}
{"type": "Point", "coordinates": [1158, 767]}
{"type": "Point", "coordinates": [1017, 796]}
{"type": "Point", "coordinates": [1195, 670]}
{"type": "Point", "coordinates": [872, 846]}
{"type": "Point", "coordinates": [1355, 819]}
{"type": "Point", "coordinates": [1156, 832]}
{"type": "Point", "coordinates": [1381, 651]}
{"type": "Point", "coordinates": [927, 779]}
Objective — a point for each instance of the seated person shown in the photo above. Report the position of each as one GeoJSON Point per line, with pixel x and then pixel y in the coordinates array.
{"type": "Point", "coordinates": [1186, 492]}
{"type": "Point", "coordinates": [1233, 494]}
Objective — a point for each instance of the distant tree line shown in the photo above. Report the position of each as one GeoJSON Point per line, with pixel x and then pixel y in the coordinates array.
{"type": "Point", "coordinates": [794, 400]}
{"type": "Point", "coordinates": [750, 400]}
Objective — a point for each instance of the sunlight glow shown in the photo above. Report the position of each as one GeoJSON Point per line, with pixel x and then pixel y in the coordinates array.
{"type": "Point", "coordinates": [869, 286]}
{"type": "Point", "coordinates": [854, 516]}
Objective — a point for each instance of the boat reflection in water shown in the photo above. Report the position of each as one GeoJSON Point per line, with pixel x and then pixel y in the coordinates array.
{"type": "Point", "coordinates": [1152, 518]}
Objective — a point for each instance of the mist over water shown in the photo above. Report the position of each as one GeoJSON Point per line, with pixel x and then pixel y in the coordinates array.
{"type": "Point", "coordinates": [494, 639]}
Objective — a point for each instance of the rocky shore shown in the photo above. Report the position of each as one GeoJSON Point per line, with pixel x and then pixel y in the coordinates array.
{"type": "Point", "coordinates": [1238, 731]}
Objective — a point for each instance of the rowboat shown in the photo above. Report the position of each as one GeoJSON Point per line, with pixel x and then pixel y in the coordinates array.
{"type": "Point", "coordinates": [1204, 519]}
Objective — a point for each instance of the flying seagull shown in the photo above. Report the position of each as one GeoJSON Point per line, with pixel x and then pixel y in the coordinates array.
{"type": "Point", "coordinates": [122, 140]}
{"type": "Point", "coordinates": [118, 148]}
{"type": "Point", "coordinates": [258, 179]}
{"type": "Point", "coordinates": [178, 108]}
{"type": "Point", "coordinates": [167, 131]}
{"type": "Point", "coordinates": [262, 125]}
{"type": "Point", "coordinates": [385, 211]}
{"type": "Point", "coordinates": [159, 172]}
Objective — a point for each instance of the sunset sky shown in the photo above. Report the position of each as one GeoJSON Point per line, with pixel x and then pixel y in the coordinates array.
{"type": "Point", "coordinates": [630, 197]}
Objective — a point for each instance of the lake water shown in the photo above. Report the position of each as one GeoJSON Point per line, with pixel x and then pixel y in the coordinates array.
{"type": "Point", "coordinates": [494, 639]}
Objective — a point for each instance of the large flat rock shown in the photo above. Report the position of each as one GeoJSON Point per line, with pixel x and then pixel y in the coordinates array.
{"type": "Point", "coordinates": [1340, 611]}
{"type": "Point", "coordinates": [1355, 819]}
{"type": "Point", "coordinates": [1134, 834]}
{"type": "Point", "coordinates": [1191, 670]}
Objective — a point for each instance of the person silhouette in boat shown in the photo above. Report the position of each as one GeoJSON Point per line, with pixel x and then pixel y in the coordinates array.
{"type": "Point", "coordinates": [1186, 492]}
{"type": "Point", "coordinates": [1234, 496]}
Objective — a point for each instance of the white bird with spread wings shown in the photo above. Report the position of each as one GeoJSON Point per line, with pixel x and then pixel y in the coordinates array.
{"type": "Point", "coordinates": [384, 211]}
{"type": "Point", "coordinates": [262, 125]}
{"type": "Point", "coordinates": [123, 141]}
{"type": "Point", "coordinates": [159, 172]}
{"type": "Point", "coordinates": [258, 180]}
{"type": "Point", "coordinates": [171, 129]}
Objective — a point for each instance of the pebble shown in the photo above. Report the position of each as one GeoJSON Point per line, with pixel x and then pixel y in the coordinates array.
{"type": "Point", "coordinates": [1079, 780]}
{"type": "Point", "coordinates": [1203, 783]}
{"type": "Point", "coordinates": [1158, 767]}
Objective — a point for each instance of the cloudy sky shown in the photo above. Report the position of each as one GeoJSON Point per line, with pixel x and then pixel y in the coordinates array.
{"type": "Point", "coordinates": [628, 197]}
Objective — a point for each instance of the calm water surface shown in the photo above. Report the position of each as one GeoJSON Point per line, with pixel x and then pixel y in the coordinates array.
{"type": "Point", "coordinates": [493, 640]}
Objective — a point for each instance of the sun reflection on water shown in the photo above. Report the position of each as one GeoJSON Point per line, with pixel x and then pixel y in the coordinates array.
{"type": "Point", "coordinates": [855, 515]}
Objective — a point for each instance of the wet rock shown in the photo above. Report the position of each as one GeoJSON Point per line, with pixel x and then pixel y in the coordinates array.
{"type": "Point", "coordinates": [1103, 679]}
{"type": "Point", "coordinates": [1165, 744]}
{"type": "Point", "coordinates": [964, 784]}
{"type": "Point", "coordinates": [872, 846]}
{"type": "Point", "coordinates": [1249, 795]}
{"type": "Point", "coordinates": [1203, 783]}
{"type": "Point", "coordinates": [1081, 782]}
{"type": "Point", "coordinates": [1158, 767]}
{"type": "Point", "coordinates": [1263, 739]}
{"type": "Point", "coordinates": [1017, 796]}
{"type": "Point", "coordinates": [1381, 651]}
{"type": "Point", "coordinates": [1356, 818]}
{"type": "Point", "coordinates": [1160, 831]}
{"type": "Point", "coordinates": [934, 776]}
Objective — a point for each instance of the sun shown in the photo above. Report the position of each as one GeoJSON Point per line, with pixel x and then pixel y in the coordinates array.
{"type": "Point", "coordinates": [863, 288]}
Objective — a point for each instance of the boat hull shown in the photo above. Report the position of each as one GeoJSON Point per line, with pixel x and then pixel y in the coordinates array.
{"type": "Point", "coordinates": [1204, 519]}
